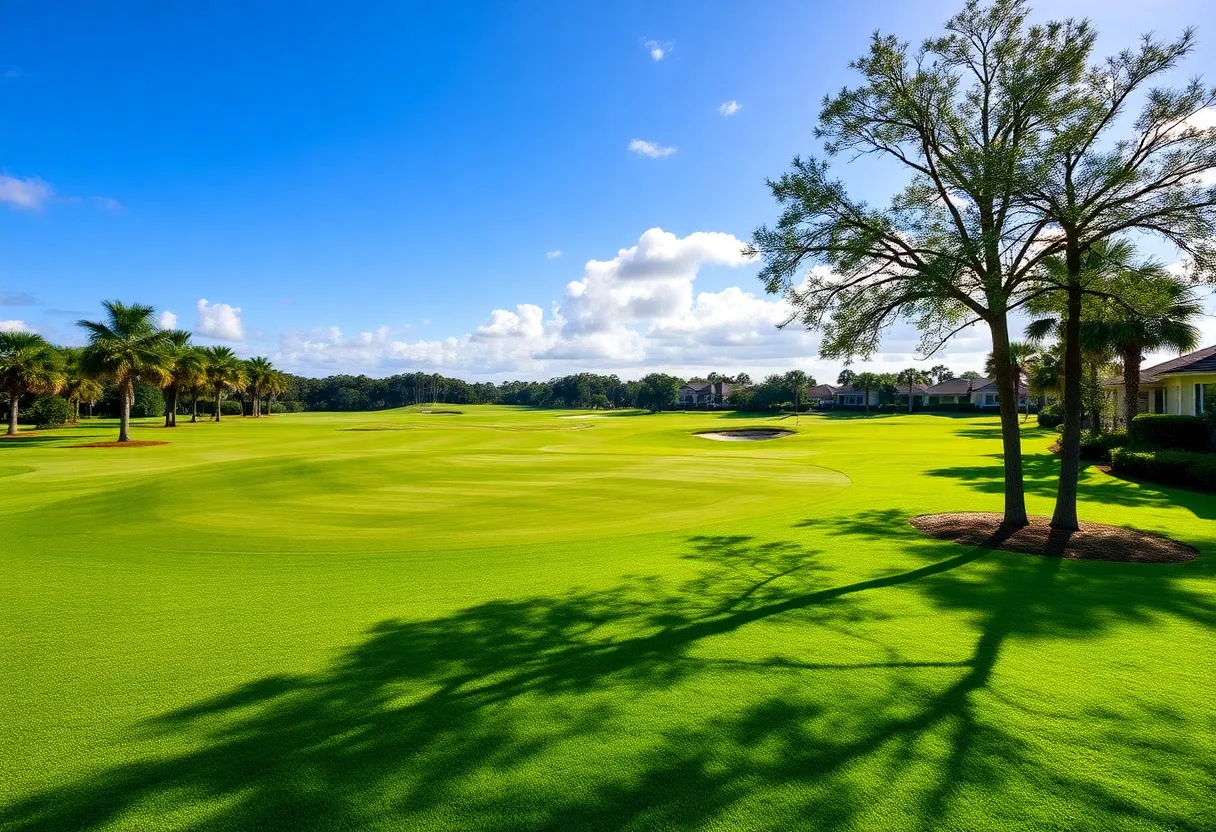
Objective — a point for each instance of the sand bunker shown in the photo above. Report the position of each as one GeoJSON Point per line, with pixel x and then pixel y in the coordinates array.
{"type": "Point", "coordinates": [745, 434]}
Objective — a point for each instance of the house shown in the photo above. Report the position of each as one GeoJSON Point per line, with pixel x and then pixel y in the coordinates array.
{"type": "Point", "coordinates": [850, 396]}
{"type": "Point", "coordinates": [1184, 385]}
{"type": "Point", "coordinates": [980, 392]}
{"type": "Point", "coordinates": [820, 394]}
{"type": "Point", "coordinates": [920, 394]}
{"type": "Point", "coordinates": [705, 394]}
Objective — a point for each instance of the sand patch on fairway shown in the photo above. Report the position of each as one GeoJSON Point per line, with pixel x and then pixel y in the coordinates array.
{"type": "Point", "coordinates": [143, 443]}
{"type": "Point", "coordinates": [586, 416]}
{"type": "Point", "coordinates": [1095, 541]}
{"type": "Point", "coordinates": [744, 434]}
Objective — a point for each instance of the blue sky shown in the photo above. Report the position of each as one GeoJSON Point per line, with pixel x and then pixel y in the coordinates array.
{"type": "Point", "coordinates": [367, 184]}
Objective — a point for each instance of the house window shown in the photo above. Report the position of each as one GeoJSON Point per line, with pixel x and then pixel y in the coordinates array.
{"type": "Point", "coordinates": [1198, 399]}
{"type": "Point", "coordinates": [1158, 401]}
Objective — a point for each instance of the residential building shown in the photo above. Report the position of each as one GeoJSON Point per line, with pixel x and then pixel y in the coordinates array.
{"type": "Point", "coordinates": [1185, 385]}
{"type": "Point", "coordinates": [705, 394]}
{"type": "Point", "coordinates": [980, 392]}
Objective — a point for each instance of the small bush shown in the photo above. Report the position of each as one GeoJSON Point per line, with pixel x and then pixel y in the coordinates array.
{"type": "Point", "coordinates": [1097, 446]}
{"type": "Point", "coordinates": [50, 412]}
{"type": "Point", "coordinates": [1050, 416]}
{"type": "Point", "coordinates": [1166, 466]}
{"type": "Point", "coordinates": [1161, 430]}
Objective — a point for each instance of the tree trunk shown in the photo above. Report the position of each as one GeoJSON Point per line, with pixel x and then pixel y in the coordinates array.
{"type": "Point", "coordinates": [1095, 415]}
{"type": "Point", "coordinates": [1065, 515]}
{"type": "Point", "coordinates": [1131, 386]}
{"type": "Point", "coordinates": [1011, 437]}
{"type": "Point", "coordinates": [218, 394]}
{"type": "Point", "coordinates": [194, 407]}
{"type": "Point", "coordinates": [124, 417]}
{"type": "Point", "coordinates": [12, 412]}
{"type": "Point", "coordinates": [75, 411]}
{"type": "Point", "coordinates": [168, 407]}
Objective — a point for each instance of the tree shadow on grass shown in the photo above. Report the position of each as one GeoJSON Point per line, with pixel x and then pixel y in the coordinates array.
{"type": "Point", "coordinates": [32, 440]}
{"type": "Point", "coordinates": [628, 708]}
{"type": "Point", "coordinates": [1041, 478]}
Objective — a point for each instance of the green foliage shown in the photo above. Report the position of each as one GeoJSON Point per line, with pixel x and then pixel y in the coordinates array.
{"type": "Point", "coordinates": [1098, 445]}
{"type": "Point", "coordinates": [149, 401]}
{"type": "Point", "coordinates": [951, 407]}
{"type": "Point", "coordinates": [1197, 470]}
{"type": "Point", "coordinates": [658, 391]}
{"type": "Point", "coordinates": [50, 412]}
{"type": "Point", "coordinates": [1162, 430]}
{"type": "Point", "coordinates": [1051, 415]}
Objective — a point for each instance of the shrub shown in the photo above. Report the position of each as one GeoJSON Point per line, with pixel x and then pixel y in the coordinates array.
{"type": "Point", "coordinates": [284, 407]}
{"type": "Point", "coordinates": [950, 407]}
{"type": "Point", "coordinates": [231, 407]}
{"type": "Point", "coordinates": [1161, 430]}
{"type": "Point", "coordinates": [50, 412]}
{"type": "Point", "coordinates": [1050, 416]}
{"type": "Point", "coordinates": [1166, 466]}
{"type": "Point", "coordinates": [1097, 446]}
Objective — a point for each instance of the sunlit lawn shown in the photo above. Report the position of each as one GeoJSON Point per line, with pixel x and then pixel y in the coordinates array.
{"type": "Point", "coordinates": [509, 620]}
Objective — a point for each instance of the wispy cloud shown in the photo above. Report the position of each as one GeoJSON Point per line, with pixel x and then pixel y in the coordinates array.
{"type": "Point", "coordinates": [553, 255]}
{"type": "Point", "coordinates": [17, 299]}
{"type": "Point", "coordinates": [107, 204]}
{"type": "Point", "coordinates": [10, 72]}
{"type": "Point", "coordinates": [658, 51]}
{"type": "Point", "coordinates": [729, 108]}
{"type": "Point", "coordinates": [15, 326]}
{"type": "Point", "coordinates": [30, 194]}
{"type": "Point", "coordinates": [653, 150]}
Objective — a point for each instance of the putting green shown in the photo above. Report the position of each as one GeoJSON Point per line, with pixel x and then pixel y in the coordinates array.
{"type": "Point", "coordinates": [511, 619]}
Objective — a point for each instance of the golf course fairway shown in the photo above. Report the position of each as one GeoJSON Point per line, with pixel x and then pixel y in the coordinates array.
{"type": "Point", "coordinates": [509, 619]}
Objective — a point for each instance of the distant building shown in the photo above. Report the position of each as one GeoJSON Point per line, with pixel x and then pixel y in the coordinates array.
{"type": "Point", "coordinates": [980, 392]}
{"type": "Point", "coordinates": [705, 394]}
{"type": "Point", "coordinates": [1185, 385]}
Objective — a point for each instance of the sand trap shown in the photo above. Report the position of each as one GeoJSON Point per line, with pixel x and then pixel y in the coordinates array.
{"type": "Point", "coordinates": [585, 416]}
{"type": "Point", "coordinates": [442, 412]}
{"type": "Point", "coordinates": [745, 434]}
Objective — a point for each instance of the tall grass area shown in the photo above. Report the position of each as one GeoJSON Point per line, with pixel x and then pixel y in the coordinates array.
{"type": "Point", "coordinates": [508, 620]}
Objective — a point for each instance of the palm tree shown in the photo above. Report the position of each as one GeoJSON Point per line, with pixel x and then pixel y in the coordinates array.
{"type": "Point", "coordinates": [28, 364]}
{"type": "Point", "coordinates": [181, 364]}
{"type": "Point", "coordinates": [867, 382]}
{"type": "Point", "coordinates": [1163, 311]}
{"type": "Point", "coordinates": [940, 373]}
{"type": "Point", "coordinates": [123, 348]}
{"type": "Point", "coordinates": [78, 385]}
{"type": "Point", "coordinates": [274, 385]}
{"type": "Point", "coordinates": [846, 377]}
{"type": "Point", "coordinates": [224, 372]}
{"type": "Point", "coordinates": [1022, 355]}
{"type": "Point", "coordinates": [258, 370]}
{"type": "Point", "coordinates": [910, 377]}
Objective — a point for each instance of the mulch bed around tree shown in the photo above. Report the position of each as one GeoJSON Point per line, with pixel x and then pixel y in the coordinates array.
{"type": "Point", "coordinates": [131, 444]}
{"type": "Point", "coordinates": [1095, 541]}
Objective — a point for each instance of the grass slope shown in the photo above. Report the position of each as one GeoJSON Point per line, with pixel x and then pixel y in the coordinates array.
{"type": "Point", "coordinates": [506, 620]}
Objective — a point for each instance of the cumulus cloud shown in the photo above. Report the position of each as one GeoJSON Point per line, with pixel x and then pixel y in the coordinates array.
{"type": "Point", "coordinates": [658, 51]}
{"type": "Point", "coordinates": [219, 321]}
{"type": "Point", "coordinates": [653, 150]}
{"type": "Point", "coordinates": [729, 108]}
{"type": "Point", "coordinates": [30, 194]}
{"type": "Point", "coordinates": [553, 255]}
{"type": "Point", "coordinates": [168, 320]}
{"type": "Point", "coordinates": [15, 326]}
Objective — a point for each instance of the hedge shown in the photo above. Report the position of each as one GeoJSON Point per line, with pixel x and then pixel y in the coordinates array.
{"type": "Point", "coordinates": [1167, 467]}
{"type": "Point", "coordinates": [1098, 446]}
{"type": "Point", "coordinates": [1050, 416]}
{"type": "Point", "coordinates": [50, 412]}
{"type": "Point", "coordinates": [1162, 430]}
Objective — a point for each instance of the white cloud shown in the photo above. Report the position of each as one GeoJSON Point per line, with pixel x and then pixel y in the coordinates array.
{"type": "Point", "coordinates": [108, 204]}
{"type": "Point", "coordinates": [553, 255]}
{"type": "Point", "coordinates": [219, 321]}
{"type": "Point", "coordinates": [729, 108]}
{"type": "Point", "coordinates": [31, 193]}
{"type": "Point", "coordinates": [651, 149]}
{"type": "Point", "coordinates": [658, 51]}
{"type": "Point", "coordinates": [168, 320]}
{"type": "Point", "coordinates": [15, 326]}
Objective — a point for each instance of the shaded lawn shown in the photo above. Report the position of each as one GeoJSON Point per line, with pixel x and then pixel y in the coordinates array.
{"type": "Point", "coordinates": [822, 666]}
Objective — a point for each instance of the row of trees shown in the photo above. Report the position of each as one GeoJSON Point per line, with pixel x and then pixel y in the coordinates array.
{"type": "Point", "coordinates": [125, 348]}
{"type": "Point", "coordinates": [1027, 175]}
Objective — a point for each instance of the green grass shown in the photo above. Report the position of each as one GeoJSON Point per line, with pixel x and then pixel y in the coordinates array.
{"type": "Point", "coordinates": [506, 620]}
